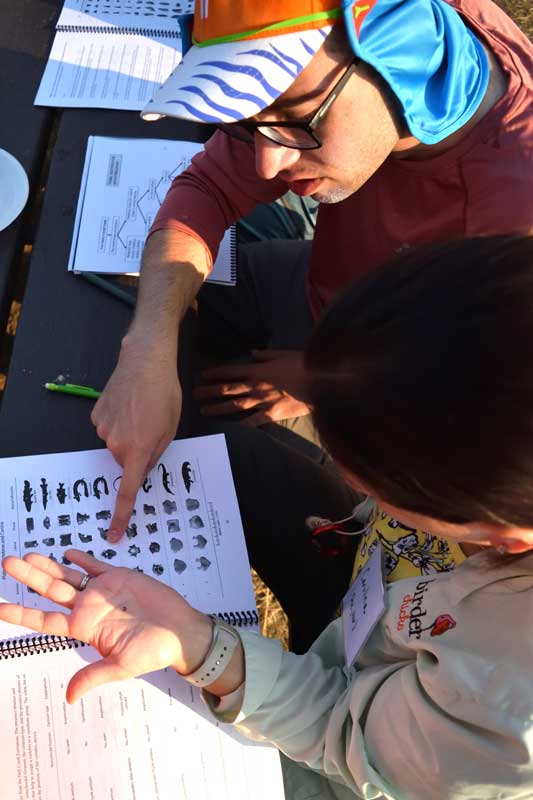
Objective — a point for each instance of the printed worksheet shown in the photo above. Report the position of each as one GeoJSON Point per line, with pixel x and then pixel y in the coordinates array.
{"type": "Point", "coordinates": [148, 738]}
{"type": "Point", "coordinates": [139, 14]}
{"type": "Point", "coordinates": [151, 737]}
{"type": "Point", "coordinates": [123, 184]}
{"type": "Point", "coordinates": [106, 70]}
{"type": "Point", "coordinates": [185, 529]}
{"type": "Point", "coordinates": [112, 53]}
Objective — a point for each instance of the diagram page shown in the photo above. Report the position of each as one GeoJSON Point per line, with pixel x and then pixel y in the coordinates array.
{"type": "Point", "coordinates": [123, 185]}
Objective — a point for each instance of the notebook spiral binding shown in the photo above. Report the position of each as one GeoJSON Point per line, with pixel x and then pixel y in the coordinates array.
{"type": "Point", "coordinates": [239, 619]}
{"type": "Point", "coordinates": [233, 253]}
{"type": "Point", "coordinates": [32, 645]}
{"type": "Point", "coordinates": [127, 31]}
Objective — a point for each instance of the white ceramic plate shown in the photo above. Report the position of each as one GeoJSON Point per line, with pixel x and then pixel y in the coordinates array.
{"type": "Point", "coordinates": [14, 188]}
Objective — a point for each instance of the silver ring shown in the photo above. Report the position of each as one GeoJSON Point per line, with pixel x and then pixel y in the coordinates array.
{"type": "Point", "coordinates": [84, 581]}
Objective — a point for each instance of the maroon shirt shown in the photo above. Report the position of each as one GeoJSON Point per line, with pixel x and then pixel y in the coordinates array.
{"type": "Point", "coordinates": [482, 185]}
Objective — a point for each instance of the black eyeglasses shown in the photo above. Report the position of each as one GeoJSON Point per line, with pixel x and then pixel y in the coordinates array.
{"type": "Point", "coordinates": [298, 135]}
{"type": "Point", "coordinates": [334, 538]}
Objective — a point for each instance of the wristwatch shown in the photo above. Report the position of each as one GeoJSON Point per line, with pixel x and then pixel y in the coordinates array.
{"type": "Point", "coordinates": [223, 645]}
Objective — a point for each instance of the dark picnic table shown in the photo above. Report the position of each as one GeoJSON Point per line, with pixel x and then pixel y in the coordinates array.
{"type": "Point", "coordinates": [67, 327]}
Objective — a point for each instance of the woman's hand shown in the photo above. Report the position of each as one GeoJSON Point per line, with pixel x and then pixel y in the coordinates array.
{"type": "Point", "coordinates": [137, 624]}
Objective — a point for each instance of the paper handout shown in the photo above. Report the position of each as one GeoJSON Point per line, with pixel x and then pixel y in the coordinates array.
{"type": "Point", "coordinates": [123, 184]}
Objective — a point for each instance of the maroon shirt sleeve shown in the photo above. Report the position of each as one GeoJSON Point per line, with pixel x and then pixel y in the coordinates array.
{"type": "Point", "coordinates": [219, 188]}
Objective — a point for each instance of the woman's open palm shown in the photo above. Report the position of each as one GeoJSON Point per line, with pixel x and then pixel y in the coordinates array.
{"type": "Point", "coordinates": [137, 624]}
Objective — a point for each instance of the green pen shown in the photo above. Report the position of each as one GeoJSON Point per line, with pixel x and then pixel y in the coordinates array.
{"type": "Point", "coordinates": [71, 388]}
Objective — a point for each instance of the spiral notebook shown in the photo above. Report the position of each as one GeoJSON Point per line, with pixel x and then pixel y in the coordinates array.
{"type": "Point", "coordinates": [150, 737]}
{"type": "Point", "coordinates": [112, 53]}
{"type": "Point", "coordinates": [123, 184]}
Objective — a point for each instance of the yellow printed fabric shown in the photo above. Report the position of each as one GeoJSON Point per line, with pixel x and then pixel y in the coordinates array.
{"type": "Point", "coordinates": [407, 552]}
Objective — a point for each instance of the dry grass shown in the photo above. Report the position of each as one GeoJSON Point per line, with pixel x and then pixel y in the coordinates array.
{"type": "Point", "coordinates": [13, 321]}
{"type": "Point", "coordinates": [273, 620]}
{"type": "Point", "coordinates": [521, 11]}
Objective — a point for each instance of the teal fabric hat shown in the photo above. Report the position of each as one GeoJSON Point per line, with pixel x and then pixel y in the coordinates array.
{"type": "Point", "coordinates": [433, 63]}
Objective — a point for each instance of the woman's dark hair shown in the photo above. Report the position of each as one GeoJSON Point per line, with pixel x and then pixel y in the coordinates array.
{"type": "Point", "coordinates": [421, 380]}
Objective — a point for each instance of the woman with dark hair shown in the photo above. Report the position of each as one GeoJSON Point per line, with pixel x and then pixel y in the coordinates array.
{"type": "Point", "coordinates": [421, 378]}
{"type": "Point", "coordinates": [421, 382]}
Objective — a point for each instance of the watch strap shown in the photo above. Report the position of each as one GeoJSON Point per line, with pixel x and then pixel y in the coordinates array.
{"type": "Point", "coordinates": [223, 645]}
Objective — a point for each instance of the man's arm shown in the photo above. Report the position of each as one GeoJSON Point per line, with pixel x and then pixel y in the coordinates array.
{"type": "Point", "coordinates": [140, 407]}
{"type": "Point", "coordinates": [139, 410]}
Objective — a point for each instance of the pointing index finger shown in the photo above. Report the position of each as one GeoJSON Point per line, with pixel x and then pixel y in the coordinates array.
{"type": "Point", "coordinates": [132, 478]}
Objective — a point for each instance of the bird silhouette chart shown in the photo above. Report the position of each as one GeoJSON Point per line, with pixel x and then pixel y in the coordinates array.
{"type": "Point", "coordinates": [182, 529]}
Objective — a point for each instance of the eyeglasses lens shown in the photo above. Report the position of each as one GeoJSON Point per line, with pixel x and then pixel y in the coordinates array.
{"type": "Point", "coordinates": [293, 137]}
{"type": "Point", "coordinates": [297, 138]}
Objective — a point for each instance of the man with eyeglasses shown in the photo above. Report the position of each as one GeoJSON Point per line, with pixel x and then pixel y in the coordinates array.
{"type": "Point", "coordinates": [407, 120]}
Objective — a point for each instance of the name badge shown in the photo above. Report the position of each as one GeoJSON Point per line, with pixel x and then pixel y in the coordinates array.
{"type": "Point", "coordinates": [363, 606]}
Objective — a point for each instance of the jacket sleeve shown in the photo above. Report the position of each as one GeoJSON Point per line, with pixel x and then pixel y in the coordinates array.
{"type": "Point", "coordinates": [396, 730]}
{"type": "Point", "coordinates": [219, 188]}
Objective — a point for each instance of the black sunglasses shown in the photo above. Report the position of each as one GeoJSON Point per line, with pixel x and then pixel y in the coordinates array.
{"type": "Point", "coordinates": [297, 135]}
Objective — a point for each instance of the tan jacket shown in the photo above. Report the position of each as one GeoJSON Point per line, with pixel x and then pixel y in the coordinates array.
{"type": "Point", "coordinates": [439, 705]}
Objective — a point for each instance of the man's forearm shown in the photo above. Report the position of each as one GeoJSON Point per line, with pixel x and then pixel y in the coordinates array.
{"type": "Point", "coordinates": [173, 269]}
